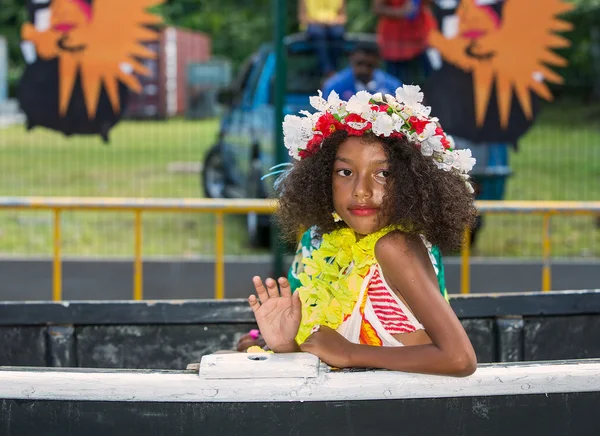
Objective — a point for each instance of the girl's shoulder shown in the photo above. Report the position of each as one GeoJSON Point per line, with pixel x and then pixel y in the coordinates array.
{"type": "Point", "coordinates": [397, 250]}
{"type": "Point", "coordinates": [398, 242]}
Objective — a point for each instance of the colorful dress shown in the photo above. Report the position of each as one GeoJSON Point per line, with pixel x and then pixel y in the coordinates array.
{"type": "Point", "coordinates": [310, 242]}
{"type": "Point", "coordinates": [378, 313]}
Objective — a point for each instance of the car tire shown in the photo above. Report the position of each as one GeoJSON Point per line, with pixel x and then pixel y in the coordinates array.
{"type": "Point", "coordinates": [213, 174]}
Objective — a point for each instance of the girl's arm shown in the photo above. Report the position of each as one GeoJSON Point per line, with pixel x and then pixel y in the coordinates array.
{"type": "Point", "coordinates": [406, 266]}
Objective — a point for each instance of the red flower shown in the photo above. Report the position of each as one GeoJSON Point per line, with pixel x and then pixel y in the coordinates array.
{"type": "Point", "coordinates": [312, 147]}
{"type": "Point", "coordinates": [445, 142]}
{"type": "Point", "coordinates": [382, 107]}
{"type": "Point", "coordinates": [417, 124]}
{"type": "Point", "coordinates": [440, 132]}
{"type": "Point", "coordinates": [327, 124]}
{"type": "Point", "coordinates": [355, 118]}
{"type": "Point", "coordinates": [304, 154]}
{"type": "Point", "coordinates": [398, 135]}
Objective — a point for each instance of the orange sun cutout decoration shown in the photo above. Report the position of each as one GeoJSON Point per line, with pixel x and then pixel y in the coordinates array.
{"type": "Point", "coordinates": [101, 41]}
{"type": "Point", "coordinates": [514, 52]}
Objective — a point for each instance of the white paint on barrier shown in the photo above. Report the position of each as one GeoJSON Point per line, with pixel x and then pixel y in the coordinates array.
{"type": "Point", "coordinates": [178, 386]}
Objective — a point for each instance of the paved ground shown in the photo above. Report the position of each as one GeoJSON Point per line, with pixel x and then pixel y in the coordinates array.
{"type": "Point", "coordinates": [112, 280]}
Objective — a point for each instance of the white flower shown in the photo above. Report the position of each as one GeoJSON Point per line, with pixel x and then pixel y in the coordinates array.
{"type": "Point", "coordinates": [463, 160]}
{"type": "Point", "coordinates": [444, 160]}
{"type": "Point", "coordinates": [390, 99]}
{"type": "Point", "coordinates": [435, 142]}
{"type": "Point", "coordinates": [440, 164]}
{"type": "Point", "coordinates": [426, 149]}
{"type": "Point", "coordinates": [422, 111]}
{"type": "Point", "coordinates": [377, 97]}
{"type": "Point", "coordinates": [297, 131]}
{"type": "Point", "coordinates": [332, 104]}
{"type": "Point", "coordinates": [396, 106]}
{"type": "Point", "coordinates": [410, 95]}
{"type": "Point", "coordinates": [383, 124]}
{"type": "Point", "coordinates": [359, 104]}
{"type": "Point", "coordinates": [357, 126]}
{"type": "Point", "coordinates": [427, 132]}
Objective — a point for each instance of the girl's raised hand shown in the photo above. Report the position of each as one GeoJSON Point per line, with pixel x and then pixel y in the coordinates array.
{"type": "Point", "coordinates": [278, 316]}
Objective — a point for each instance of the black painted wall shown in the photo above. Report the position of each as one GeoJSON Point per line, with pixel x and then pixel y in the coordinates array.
{"type": "Point", "coordinates": [527, 415]}
{"type": "Point", "coordinates": [170, 335]}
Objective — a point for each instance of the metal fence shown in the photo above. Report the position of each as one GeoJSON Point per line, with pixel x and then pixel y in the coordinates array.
{"type": "Point", "coordinates": [219, 208]}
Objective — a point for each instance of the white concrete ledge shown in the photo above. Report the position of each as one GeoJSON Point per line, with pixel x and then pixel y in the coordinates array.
{"type": "Point", "coordinates": [179, 386]}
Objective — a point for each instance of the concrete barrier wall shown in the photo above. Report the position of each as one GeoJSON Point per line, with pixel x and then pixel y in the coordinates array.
{"type": "Point", "coordinates": [171, 334]}
{"type": "Point", "coordinates": [167, 279]}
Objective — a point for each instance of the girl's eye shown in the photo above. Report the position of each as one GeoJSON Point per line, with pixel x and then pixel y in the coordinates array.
{"type": "Point", "coordinates": [344, 173]}
{"type": "Point", "coordinates": [384, 173]}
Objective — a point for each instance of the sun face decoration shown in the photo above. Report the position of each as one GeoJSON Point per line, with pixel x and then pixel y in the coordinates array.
{"type": "Point", "coordinates": [99, 41]}
{"type": "Point", "coordinates": [510, 47]}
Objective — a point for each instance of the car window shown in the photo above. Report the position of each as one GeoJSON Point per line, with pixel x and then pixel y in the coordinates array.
{"type": "Point", "coordinates": [254, 77]}
{"type": "Point", "coordinates": [243, 75]}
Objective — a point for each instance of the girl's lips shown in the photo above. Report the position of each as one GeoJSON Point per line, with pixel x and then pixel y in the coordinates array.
{"type": "Point", "coordinates": [364, 211]}
{"type": "Point", "coordinates": [64, 27]}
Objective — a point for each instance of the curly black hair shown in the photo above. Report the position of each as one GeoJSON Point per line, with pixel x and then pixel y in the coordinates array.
{"type": "Point", "coordinates": [418, 196]}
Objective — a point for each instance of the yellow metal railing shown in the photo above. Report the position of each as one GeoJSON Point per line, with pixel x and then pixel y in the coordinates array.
{"type": "Point", "coordinates": [547, 209]}
{"type": "Point", "coordinates": [221, 207]}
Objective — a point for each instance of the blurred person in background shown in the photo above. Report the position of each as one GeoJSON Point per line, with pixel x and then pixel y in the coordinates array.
{"type": "Point", "coordinates": [402, 31]}
{"type": "Point", "coordinates": [363, 74]}
{"type": "Point", "coordinates": [323, 22]}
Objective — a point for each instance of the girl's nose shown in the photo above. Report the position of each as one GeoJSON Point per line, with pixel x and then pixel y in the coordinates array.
{"type": "Point", "coordinates": [362, 188]}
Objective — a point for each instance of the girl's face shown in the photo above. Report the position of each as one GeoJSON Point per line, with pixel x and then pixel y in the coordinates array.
{"type": "Point", "coordinates": [359, 177]}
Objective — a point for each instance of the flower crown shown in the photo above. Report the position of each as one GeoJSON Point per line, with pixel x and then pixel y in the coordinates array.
{"type": "Point", "coordinates": [401, 116]}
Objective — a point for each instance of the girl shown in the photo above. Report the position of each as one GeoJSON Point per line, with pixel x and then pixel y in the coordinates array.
{"type": "Point", "coordinates": [377, 181]}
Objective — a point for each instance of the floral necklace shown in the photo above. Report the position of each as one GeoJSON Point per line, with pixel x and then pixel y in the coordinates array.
{"type": "Point", "coordinates": [333, 276]}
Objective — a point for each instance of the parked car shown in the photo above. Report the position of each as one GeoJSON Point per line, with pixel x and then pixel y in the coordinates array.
{"type": "Point", "coordinates": [245, 149]}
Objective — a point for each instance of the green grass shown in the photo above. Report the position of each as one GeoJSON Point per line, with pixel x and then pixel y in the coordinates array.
{"type": "Point", "coordinates": [559, 159]}
{"type": "Point", "coordinates": [134, 164]}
